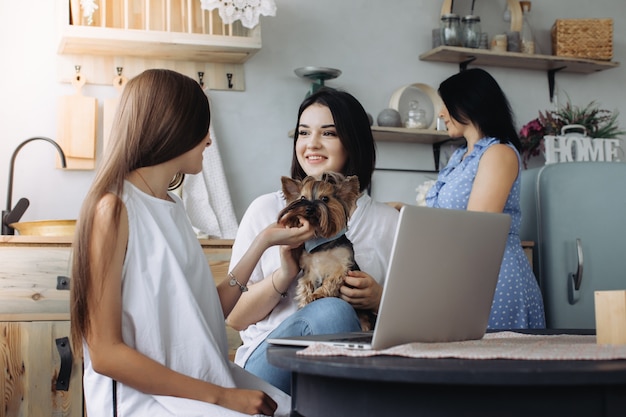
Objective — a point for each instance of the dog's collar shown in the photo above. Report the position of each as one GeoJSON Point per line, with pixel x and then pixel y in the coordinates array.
{"type": "Point", "coordinates": [311, 244]}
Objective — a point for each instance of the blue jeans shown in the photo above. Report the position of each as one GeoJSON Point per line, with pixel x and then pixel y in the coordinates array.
{"type": "Point", "coordinates": [323, 316]}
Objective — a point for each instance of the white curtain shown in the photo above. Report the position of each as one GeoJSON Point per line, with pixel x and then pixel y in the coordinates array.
{"type": "Point", "coordinates": [207, 198]}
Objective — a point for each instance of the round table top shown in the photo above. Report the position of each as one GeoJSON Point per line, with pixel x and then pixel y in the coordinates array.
{"type": "Point", "coordinates": [453, 370]}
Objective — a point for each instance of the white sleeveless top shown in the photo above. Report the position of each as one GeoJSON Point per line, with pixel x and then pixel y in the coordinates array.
{"type": "Point", "coordinates": [171, 313]}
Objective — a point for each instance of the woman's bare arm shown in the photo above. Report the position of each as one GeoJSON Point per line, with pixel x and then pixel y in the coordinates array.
{"type": "Point", "coordinates": [261, 297]}
{"type": "Point", "coordinates": [497, 170]}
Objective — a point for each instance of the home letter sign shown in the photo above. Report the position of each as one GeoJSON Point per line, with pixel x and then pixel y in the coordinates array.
{"type": "Point", "coordinates": [580, 148]}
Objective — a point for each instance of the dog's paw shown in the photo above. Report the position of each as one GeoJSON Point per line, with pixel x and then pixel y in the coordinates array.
{"type": "Point", "coordinates": [314, 296]}
{"type": "Point", "coordinates": [304, 290]}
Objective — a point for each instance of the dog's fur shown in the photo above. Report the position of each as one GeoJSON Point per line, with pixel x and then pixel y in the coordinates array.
{"type": "Point", "coordinates": [326, 203]}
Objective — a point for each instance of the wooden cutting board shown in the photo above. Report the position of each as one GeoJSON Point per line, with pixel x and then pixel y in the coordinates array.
{"type": "Point", "coordinates": [108, 111]}
{"type": "Point", "coordinates": [77, 127]}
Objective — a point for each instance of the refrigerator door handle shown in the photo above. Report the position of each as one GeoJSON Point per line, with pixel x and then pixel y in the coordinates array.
{"type": "Point", "coordinates": [576, 278]}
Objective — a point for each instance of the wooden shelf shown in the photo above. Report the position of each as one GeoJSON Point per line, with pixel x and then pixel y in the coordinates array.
{"type": "Point", "coordinates": [463, 56]}
{"type": "Point", "coordinates": [122, 39]}
{"type": "Point", "coordinates": [406, 135]}
{"type": "Point", "coordinates": [158, 45]}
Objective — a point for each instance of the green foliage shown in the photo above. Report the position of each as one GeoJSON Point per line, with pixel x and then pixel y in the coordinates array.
{"type": "Point", "coordinates": [600, 123]}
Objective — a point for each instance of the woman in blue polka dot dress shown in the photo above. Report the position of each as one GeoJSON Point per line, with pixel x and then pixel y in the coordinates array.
{"type": "Point", "coordinates": [484, 175]}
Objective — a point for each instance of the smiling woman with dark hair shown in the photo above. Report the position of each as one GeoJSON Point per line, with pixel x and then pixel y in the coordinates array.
{"type": "Point", "coordinates": [484, 175]}
{"type": "Point", "coordinates": [353, 131]}
{"type": "Point", "coordinates": [332, 134]}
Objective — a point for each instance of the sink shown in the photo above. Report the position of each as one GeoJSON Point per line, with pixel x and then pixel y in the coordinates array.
{"type": "Point", "coordinates": [45, 228]}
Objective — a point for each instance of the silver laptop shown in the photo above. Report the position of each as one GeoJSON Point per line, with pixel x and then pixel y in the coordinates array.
{"type": "Point", "coordinates": [440, 282]}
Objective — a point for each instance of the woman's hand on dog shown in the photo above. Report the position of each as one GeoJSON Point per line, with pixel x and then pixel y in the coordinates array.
{"type": "Point", "coordinates": [277, 234]}
{"type": "Point", "coordinates": [361, 291]}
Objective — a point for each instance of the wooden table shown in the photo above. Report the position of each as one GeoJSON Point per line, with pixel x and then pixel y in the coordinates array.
{"type": "Point", "coordinates": [387, 385]}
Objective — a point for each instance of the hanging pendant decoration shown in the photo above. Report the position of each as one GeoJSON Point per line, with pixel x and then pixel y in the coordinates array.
{"type": "Point", "coordinates": [248, 11]}
{"type": "Point", "coordinates": [89, 8]}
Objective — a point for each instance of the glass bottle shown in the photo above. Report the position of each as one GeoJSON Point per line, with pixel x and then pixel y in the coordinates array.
{"type": "Point", "coordinates": [450, 29]}
{"type": "Point", "coordinates": [506, 15]}
{"type": "Point", "coordinates": [471, 31]}
{"type": "Point", "coordinates": [416, 117]}
{"type": "Point", "coordinates": [527, 36]}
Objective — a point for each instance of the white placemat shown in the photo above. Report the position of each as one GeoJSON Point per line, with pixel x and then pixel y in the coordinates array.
{"type": "Point", "coordinates": [500, 345]}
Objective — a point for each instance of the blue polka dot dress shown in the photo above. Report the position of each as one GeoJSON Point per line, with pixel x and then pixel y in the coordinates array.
{"type": "Point", "coordinates": [517, 302]}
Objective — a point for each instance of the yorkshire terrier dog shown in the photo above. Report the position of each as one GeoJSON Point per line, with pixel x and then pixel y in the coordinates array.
{"type": "Point", "coordinates": [326, 203]}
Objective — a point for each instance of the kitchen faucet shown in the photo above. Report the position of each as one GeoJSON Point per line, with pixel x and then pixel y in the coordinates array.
{"type": "Point", "coordinates": [9, 215]}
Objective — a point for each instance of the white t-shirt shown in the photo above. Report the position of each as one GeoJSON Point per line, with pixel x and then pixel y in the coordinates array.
{"type": "Point", "coordinates": [371, 230]}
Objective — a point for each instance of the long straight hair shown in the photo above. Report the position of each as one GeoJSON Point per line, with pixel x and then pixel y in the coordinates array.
{"type": "Point", "coordinates": [161, 115]}
{"type": "Point", "coordinates": [353, 129]}
{"type": "Point", "coordinates": [474, 96]}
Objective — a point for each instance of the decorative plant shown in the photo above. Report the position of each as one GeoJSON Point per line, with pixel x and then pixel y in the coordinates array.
{"type": "Point", "coordinates": [600, 123]}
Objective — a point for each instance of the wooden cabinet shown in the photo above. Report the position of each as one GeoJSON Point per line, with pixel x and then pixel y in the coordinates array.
{"type": "Point", "coordinates": [134, 36]}
{"type": "Point", "coordinates": [40, 377]}
{"type": "Point", "coordinates": [34, 381]}
{"type": "Point", "coordinates": [35, 320]}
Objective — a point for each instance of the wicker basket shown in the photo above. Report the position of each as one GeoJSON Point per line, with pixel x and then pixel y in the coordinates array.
{"type": "Point", "coordinates": [583, 38]}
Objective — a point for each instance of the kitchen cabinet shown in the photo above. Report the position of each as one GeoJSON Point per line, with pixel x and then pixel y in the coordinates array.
{"type": "Point", "coordinates": [134, 36]}
{"type": "Point", "coordinates": [35, 320]}
{"type": "Point", "coordinates": [33, 381]}
{"type": "Point", "coordinates": [39, 376]}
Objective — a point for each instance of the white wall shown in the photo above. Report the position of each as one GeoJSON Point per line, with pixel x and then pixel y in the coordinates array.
{"type": "Point", "coordinates": [376, 45]}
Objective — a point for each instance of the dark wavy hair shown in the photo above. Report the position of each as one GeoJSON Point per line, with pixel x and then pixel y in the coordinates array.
{"type": "Point", "coordinates": [474, 96]}
{"type": "Point", "coordinates": [353, 129]}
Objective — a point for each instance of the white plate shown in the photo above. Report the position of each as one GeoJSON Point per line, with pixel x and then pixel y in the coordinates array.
{"type": "Point", "coordinates": [424, 94]}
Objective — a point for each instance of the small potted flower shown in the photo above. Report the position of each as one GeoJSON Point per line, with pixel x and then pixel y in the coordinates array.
{"type": "Point", "coordinates": [600, 123]}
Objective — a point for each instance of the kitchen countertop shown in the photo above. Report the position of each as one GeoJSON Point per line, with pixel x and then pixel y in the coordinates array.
{"type": "Point", "coordinates": [31, 266]}
{"type": "Point", "coordinates": [66, 241]}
